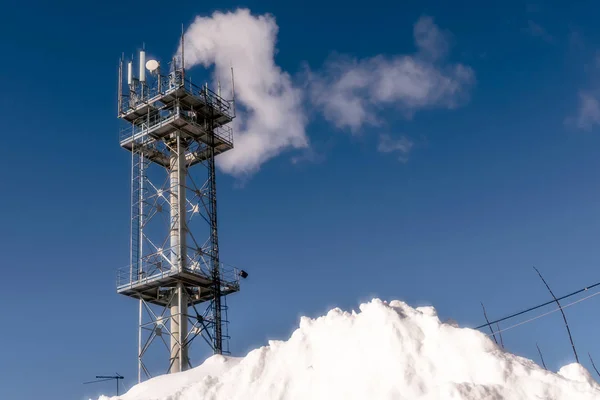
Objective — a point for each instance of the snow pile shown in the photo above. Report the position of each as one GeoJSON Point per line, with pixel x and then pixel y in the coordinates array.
{"type": "Point", "coordinates": [386, 351]}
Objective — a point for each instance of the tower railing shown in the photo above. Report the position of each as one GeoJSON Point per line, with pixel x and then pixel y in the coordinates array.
{"type": "Point", "coordinates": [138, 130]}
{"type": "Point", "coordinates": [150, 92]}
{"type": "Point", "coordinates": [212, 99]}
{"type": "Point", "coordinates": [150, 272]}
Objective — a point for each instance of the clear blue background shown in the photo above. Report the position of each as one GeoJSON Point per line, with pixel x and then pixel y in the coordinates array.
{"type": "Point", "coordinates": [490, 190]}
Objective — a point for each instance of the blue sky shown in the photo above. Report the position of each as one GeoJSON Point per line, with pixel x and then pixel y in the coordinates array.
{"type": "Point", "coordinates": [448, 200]}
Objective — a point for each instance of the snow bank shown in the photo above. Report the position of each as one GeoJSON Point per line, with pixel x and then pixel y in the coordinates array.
{"type": "Point", "coordinates": [386, 351]}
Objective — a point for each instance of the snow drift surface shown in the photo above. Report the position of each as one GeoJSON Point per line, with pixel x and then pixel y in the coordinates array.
{"type": "Point", "coordinates": [386, 351]}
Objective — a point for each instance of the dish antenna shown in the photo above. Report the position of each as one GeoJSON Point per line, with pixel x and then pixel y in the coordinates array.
{"type": "Point", "coordinates": [152, 65]}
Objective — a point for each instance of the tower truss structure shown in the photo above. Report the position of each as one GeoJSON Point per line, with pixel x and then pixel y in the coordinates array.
{"type": "Point", "coordinates": [172, 129]}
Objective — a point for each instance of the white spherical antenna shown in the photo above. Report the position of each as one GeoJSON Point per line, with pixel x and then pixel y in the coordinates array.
{"type": "Point", "coordinates": [152, 65]}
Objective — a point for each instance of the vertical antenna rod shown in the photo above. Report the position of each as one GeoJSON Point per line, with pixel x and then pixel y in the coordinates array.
{"type": "Point", "coordinates": [233, 91]}
{"type": "Point", "coordinates": [182, 56]}
{"type": "Point", "coordinates": [120, 89]}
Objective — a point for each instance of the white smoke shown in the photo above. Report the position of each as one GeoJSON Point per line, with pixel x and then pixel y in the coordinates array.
{"type": "Point", "coordinates": [271, 114]}
{"type": "Point", "coordinates": [272, 118]}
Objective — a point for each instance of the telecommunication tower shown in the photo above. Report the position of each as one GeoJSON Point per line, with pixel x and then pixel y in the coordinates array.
{"type": "Point", "coordinates": [172, 125]}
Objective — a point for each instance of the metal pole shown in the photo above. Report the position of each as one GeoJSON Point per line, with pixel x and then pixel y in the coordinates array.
{"type": "Point", "coordinates": [140, 344]}
{"type": "Point", "coordinates": [178, 307]}
{"type": "Point", "coordinates": [182, 321]}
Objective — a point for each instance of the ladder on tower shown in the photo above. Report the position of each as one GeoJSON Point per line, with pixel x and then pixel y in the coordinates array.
{"type": "Point", "coordinates": [225, 326]}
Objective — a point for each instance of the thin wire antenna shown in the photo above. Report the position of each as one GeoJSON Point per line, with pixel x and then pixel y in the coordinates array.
{"type": "Point", "coordinates": [500, 334]}
{"type": "Point", "coordinates": [549, 312]}
{"type": "Point", "coordinates": [541, 356]}
{"type": "Point", "coordinates": [488, 322]}
{"type": "Point", "coordinates": [593, 365]}
{"type": "Point", "coordinates": [561, 311]}
{"type": "Point", "coordinates": [97, 381]}
{"type": "Point", "coordinates": [540, 305]}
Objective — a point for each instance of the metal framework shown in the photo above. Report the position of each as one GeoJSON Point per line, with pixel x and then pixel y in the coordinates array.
{"type": "Point", "coordinates": [171, 126]}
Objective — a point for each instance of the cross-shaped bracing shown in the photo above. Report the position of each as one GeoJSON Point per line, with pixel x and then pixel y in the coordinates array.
{"type": "Point", "coordinates": [154, 324]}
{"type": "Point", "coordinates": [156, 201]}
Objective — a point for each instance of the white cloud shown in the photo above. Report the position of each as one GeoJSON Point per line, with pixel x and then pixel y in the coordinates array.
{"type": "Point", "coordinates": [271, 115]}
{"type": "Point", "coordinates": [401, 147]}
{"type": "Point", "coordinates": [350, 91]}
{"type": "Point", "coordinates": [588, 113]}
{"type": "Point", "coordinates": [271, 118]}
{"type": "Point", "coordinates": [537, 30]}
{"type": "Point", "coordinates": [430, 40]}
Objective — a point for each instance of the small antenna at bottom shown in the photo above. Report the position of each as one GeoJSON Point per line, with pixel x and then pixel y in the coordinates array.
{"type": "Point", "coordinates": [100, 378]}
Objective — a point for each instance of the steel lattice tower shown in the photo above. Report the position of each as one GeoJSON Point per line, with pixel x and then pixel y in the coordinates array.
{"type": "Point", "coordinates": [173, 125]}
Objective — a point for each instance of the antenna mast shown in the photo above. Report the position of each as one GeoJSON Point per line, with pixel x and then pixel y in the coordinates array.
{"type": "Point", "coordinates": [171, 127]}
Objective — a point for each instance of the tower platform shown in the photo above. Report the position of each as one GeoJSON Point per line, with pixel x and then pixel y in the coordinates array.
{"type": "Point", "coordinates": [148, 285]}
{"type": "Point", "coordinates": [190, 97]}
{"type": "Point", "coordinates": [165, 121]}
{"type": "Point", "coordinates": [193, 112]}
